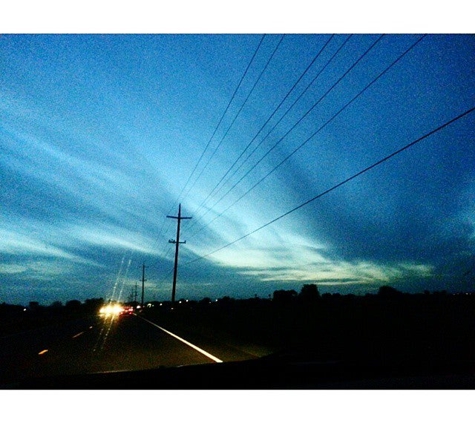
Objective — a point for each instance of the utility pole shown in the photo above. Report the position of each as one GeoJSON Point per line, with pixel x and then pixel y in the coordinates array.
{"type": "Point", "coordinates": [177, 244]}
{"type": "Point", "coordinates": [143, 284]}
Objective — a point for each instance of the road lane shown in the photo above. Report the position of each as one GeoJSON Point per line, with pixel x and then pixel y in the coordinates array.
{"type": "Point", "coordinates": [22, 353]}
{"type": "Point", "coordinates": [94, 345]}
{"type": "Point", "coordinates": [133, 344]}
{"type": "Point", "coordinates": [224, 345]}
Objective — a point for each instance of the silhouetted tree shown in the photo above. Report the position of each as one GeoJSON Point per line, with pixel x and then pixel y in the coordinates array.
{"type": "Point", "coordinates": [93, 304]}
{"type": "Point", "coordinates": [94, 301]}
{"type": "Point", "coordinates": [73, 304]}
{"type": "Point", "coordinates": [388, 292]}
{"type": "Point", "coordinates": [34, 306]}
{"type": "Point", "coordinates": [284, 297]}
{"type": "Point", "coordinates": [309, 294]}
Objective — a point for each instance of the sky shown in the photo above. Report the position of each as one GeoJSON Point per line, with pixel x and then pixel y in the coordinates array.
{"type": "Point", "coordinates": [344, 160]}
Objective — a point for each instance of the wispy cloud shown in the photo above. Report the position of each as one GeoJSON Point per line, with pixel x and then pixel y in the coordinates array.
{"type": "Point", "coordinates": [96, 149]}
{"type": "Point", "coordinates": [335, 272]}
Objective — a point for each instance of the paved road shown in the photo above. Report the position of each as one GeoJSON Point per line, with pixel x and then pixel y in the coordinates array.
{"type": "Point", "coordinates": [101, 344]}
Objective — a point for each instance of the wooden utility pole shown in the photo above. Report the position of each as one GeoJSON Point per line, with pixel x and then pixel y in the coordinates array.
{"type": "Point", "coordinates": [177, 244]}
{"type": "Point", "coordinates": [143, 284]}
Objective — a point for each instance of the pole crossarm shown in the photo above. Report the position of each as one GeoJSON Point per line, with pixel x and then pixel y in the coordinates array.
{"type": "Point", "coordinates": [174, 241]}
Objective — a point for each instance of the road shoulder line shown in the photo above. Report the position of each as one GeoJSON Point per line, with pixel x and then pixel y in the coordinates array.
{"type": "Point", "coordinates": [203, 352]}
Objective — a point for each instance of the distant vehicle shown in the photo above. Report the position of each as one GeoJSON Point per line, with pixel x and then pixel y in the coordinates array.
{"type": "Point", "coordinates": [111, 309]}
{"type": "Point", "coordinates": [127, 310]}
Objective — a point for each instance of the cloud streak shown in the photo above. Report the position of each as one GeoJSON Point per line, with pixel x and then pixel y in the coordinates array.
{"type": "Point", "coordinates": [96, 149]}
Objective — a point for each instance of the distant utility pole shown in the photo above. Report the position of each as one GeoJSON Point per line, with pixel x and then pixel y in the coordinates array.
{"type": "Point", "coordinates": [143, 283]}
{"type": "Point", "coordinates": [177, 244]}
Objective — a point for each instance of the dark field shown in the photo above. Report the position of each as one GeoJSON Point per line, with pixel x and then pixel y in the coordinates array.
{"type": "Point", "coordinates": [388, 340]}
{"type": "Point", "coordinates": [435, 325]}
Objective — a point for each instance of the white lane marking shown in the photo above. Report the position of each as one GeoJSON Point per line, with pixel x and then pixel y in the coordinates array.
{"type": "Point", "coordinates": [203, 352]}
{"type": "Point", "coordinates": [78, 334]}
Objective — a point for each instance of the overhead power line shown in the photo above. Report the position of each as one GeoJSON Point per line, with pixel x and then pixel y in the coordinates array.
{"type": "Point", "coordinates": [338, 185]}
{"type": "Point", "coordinates": [211, 138]}
{"type": "Point", "coordinates": [270, 131]}
{"type": "Point", "coordinates": [317, 131]}
{"type": "Point", "coordinates": [237, 115]}
{"type": "Point", "coordinates": [267, 121]}
{"type": "Point", "coordinates": [222, 116]}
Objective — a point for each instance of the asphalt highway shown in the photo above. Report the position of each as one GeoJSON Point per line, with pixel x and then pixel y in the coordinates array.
{"type": "Point", "coordinates": [104, 344]}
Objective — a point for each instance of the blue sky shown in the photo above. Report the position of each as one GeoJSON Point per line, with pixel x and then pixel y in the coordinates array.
{"type": "Point", "coordinates": [102, 136]}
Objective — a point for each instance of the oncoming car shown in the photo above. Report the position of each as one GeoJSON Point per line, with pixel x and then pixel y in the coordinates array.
{"type": "Point", "coordinates": [116, 309]}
